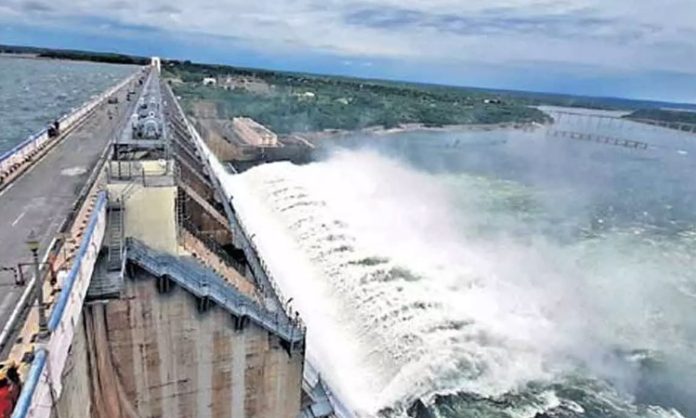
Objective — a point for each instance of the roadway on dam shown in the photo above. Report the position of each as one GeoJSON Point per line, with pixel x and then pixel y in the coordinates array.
{"type": "Point", "coordinates": [43, 197]}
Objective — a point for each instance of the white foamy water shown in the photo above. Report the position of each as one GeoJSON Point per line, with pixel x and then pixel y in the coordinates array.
{"type": "Point", "coordinates": [402, 318]}
{"type": "Point", "coordinates": [404, 299]}
{"type": "Point", "coordinates": [400, 304]}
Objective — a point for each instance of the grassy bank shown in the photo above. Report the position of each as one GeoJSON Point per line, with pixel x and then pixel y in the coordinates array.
{"type": "Point", "coordinates": [289, 102]}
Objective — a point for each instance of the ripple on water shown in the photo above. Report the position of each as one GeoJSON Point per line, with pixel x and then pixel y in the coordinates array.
{"type": "Point", "coordinates": [34, 92]}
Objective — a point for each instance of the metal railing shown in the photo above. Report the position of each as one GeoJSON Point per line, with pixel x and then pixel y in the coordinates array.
{"type": "Point", "coordinates": [39, 392]}
{"type": "Point", "coordinates": [135, 171]}
{"type": "Point", "coordinates": [242, 241]}
{"type": "Point", "coordinates": [57, 313]}
{"type": "Point", "coordinates": [240, 236]}
{"type": "Point", "coordinates": [204, 283]}
{"type": "Point", "coordinates": [38, 140]}
{"type": "Point", "coordinates": [213, 246]}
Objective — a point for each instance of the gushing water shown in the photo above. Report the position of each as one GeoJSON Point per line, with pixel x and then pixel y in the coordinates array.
{"type": "Point", "coordinates": [414, 288]}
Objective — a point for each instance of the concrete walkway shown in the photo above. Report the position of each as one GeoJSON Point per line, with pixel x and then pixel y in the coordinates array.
{"type": "Point", "coordinates": [43, 196]}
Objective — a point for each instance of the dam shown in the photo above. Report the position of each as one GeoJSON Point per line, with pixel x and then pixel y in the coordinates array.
{"type": "Point", "coordinates": [141, 278]}
{"type": "Point", "coordinates": [134, 291]}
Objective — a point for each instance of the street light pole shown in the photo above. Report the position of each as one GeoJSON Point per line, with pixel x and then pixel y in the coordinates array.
{"type": "Point", "coordinates": [33, 245]}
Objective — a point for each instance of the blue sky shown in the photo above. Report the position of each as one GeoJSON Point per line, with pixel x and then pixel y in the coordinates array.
{"type": "Point", "coordinates": [626, 48]}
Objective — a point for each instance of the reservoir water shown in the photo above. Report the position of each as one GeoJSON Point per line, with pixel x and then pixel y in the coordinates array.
{"type": "Point", "coordinates": [490, 274]}
{"type": "Point", "coordinates": [34, 92]}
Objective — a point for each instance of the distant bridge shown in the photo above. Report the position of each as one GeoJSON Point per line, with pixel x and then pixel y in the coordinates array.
{"type": "Point", "coordinates": [604, 120]}
{"type": "Point", "coordinates": [601, 139]}
{"type": "Point", "coordinates": [609, 129]}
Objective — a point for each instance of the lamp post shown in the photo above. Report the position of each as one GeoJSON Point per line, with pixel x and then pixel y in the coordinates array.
{"type": "Point", "coordinates": [33, 245]}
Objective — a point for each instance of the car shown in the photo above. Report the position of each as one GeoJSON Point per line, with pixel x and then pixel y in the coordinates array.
{"type": "Point", "coordinates": [113, 100]}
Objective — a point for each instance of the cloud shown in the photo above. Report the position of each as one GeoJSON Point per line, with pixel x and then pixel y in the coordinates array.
{"type": "Point", "coordinates": [384, 18]}
{"type": "Point", "coordinates": [35, 6]}
{"type": "Point", "coordinates": [502, 21]}
{"type": "Point", "coordinates": [164, 8]}
{"type": "Point", "coordinates": [614, 36]}
{"type": "Point", "coordinates": [116, 5]}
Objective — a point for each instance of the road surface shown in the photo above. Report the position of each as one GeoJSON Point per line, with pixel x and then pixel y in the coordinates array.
{"type": "Point", "coordinates": [43, 197]}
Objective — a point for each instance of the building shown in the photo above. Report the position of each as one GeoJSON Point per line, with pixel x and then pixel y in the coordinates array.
{"type": "Point", "coordinates": [253, 133]}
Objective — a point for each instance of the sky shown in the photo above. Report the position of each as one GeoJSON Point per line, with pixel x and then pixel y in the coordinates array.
{"type": "Point", "coordinates": [622, 48]}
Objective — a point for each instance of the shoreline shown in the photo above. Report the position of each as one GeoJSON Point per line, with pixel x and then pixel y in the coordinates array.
{"type": "Point", "coordinates": [414, 127]}
{"type": "Point", "coordinates": [20, 55]}
{"type": "Point", "coordinates": [39, 57]}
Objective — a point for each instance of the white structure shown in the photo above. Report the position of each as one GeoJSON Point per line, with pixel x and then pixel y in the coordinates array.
{"type": "Point", "coordinates": [254, 133]}
{"type": "Point", "coordinates": [156, 63]}
{"type": "Point", "coordinates": [209, 81]}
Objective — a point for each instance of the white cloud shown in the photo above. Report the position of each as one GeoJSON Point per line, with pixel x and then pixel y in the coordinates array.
{"type": "Point", "coordinates": [621, 35]}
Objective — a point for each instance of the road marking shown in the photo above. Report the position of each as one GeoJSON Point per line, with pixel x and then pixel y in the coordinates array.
{"type": "Point", "coordinates": [6, 189]}
{"type": "Point", "coordinates": [6, 302]}
{"type": "Point", "coordinates": [73, 171]}
{"type": "Point", "coordinates": [18, 218]}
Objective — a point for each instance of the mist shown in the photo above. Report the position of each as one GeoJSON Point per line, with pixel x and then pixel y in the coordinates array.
{"type": "Point", "coordinates": [420, 277]}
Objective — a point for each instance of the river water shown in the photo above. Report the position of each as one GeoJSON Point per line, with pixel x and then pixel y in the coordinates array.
{"type": "Point", "coordinates": [490, 274]}
{"type": "Point", "coordinates": [34, 92]}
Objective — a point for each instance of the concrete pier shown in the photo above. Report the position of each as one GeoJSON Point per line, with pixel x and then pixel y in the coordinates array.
{"type": "Point", "coordinates": [157, 355]}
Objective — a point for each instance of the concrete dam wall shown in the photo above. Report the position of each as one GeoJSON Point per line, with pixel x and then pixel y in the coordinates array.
{"type": "Point", "coordinates": [155, 309]}
{"type": "Point", "coordinates": [155, 355]}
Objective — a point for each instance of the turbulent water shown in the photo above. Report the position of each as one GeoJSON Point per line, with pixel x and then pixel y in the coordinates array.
{"type": "Point", "coordinates": [34, 92]}
{"type": "Point", "coordinates": [489, 274]}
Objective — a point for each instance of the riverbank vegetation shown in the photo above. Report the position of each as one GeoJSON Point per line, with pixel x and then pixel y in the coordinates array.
{"type": "Point", "coordinates": [292, 102]}
{"type": "Point", "coordinates": [67, 54]}
{"type": "Point", "coordinates": [669, 116]}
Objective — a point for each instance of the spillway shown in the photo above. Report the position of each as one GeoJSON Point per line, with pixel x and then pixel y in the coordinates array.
{"type": "Point", "coordinates": [402, 305]}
